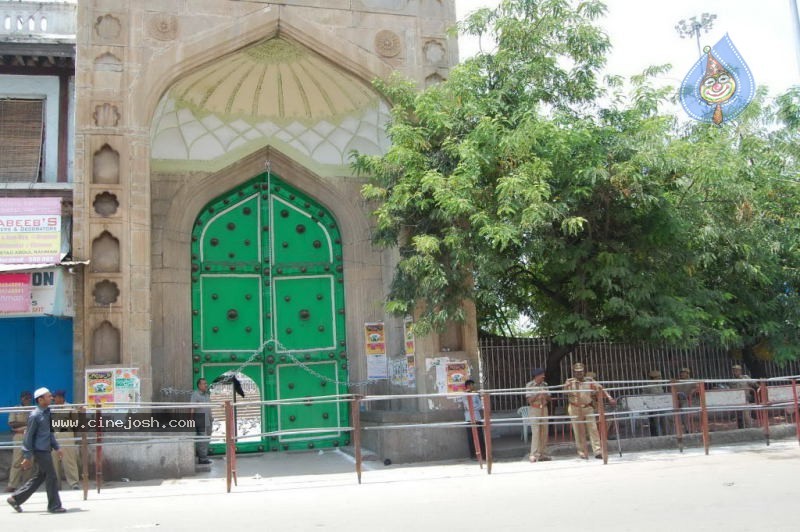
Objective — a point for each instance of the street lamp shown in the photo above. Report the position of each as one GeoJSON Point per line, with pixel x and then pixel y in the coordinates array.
{"type": "Point", "coordinates": [692, 27]}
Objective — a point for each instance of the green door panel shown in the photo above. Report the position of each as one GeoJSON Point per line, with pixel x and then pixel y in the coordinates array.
{"type": "Point", "coordinates": [249, 418]}
{"type": "Point", "coordinates": [268, 301]}
{"type": "Point", "coordinates": [304, 314]}
{"type": "Point", "coordinates": [230, 313]}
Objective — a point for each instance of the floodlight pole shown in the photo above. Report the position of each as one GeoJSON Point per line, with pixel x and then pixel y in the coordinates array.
{"type": "Point", "coordinates": [694, 26]}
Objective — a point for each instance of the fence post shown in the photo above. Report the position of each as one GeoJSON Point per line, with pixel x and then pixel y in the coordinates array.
{"type": "Point", "coordinates": [601, 413]}
{"type": "Point", "coordinates": [84, 457]}
{"type": "Point", "coordinates": [676, 416]}
{"type": "Point", "coordinates": [355, 417]}
{"type": "Point", "coordinates": [230, 446]}
{"type": "Point", "coordinates": [701, 390]}
{"type": "Point", "coordinates": [475, 439]}
{"type": "Point", "coordinates": [796, 418]}
{"type": "Point", "coordinates": [487, 430]}
{"type": "Point", "coordinates": [98, 459]}
{"type": "Point", "coordinates": [763, 399]}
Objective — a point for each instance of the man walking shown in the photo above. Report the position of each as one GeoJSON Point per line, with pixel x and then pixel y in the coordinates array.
{"type": "Point", "coordinates": [38, 443]}
{"type": "Point", "coordinates": [538, 398]}
{"type": "Point", "coordinates": [203, 419]}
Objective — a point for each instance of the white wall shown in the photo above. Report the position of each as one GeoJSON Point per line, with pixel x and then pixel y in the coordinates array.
{"type": "Point", "coordinates": [45, 87]}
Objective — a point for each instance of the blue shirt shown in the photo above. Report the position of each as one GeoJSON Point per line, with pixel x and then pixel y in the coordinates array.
{"type": "Point", "coordinates": [39, 436]}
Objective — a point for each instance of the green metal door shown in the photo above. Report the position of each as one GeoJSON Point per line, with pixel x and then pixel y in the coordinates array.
{"type": "Point", "coordinates": [268, 305]}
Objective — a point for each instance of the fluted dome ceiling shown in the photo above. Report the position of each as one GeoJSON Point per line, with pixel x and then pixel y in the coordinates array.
{"type": "Point", "coordinates": [276, 93]}
{"type": "Point", "coordinates": [275, 79]}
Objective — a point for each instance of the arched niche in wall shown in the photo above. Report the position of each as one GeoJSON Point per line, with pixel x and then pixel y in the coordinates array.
{"type": "Point", "coordinates": [105, 166]}
{"type": "Point", "coordinates": [105, 254]}
{"type": "Point", "coordinates": [105, 293]}
{"type": "Point", "coordinates": [106, 344]}
{"type": "Point", "coordinates": [106, 204]}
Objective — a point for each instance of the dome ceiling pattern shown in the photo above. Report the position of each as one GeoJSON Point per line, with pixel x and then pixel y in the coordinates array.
{"type": "Point", "coordinates": [275, 92]}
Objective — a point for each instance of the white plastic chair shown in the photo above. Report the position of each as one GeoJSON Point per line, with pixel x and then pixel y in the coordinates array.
{"type": "Point", "coordinates": [525, 413]}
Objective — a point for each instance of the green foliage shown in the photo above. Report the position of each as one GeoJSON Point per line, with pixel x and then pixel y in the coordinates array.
{"type": "Point", "coordinates": [527, 185]}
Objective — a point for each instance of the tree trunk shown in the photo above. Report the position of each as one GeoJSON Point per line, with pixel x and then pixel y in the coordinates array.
{"type": "Point", "coordinates": [554, 357]}
{"type": "Point", "coordinates": [754, 364]}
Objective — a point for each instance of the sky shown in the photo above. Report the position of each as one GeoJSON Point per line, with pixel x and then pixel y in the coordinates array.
{"type": "Point", "coordinates": [643, 33]}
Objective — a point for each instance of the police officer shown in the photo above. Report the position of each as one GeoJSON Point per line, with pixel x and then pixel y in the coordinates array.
{"type": "Point", "coordinates": [743, 382]}
{"type": "Point", "coordinates": [581, 392]}
{"type": "Point", "coordinates": [538, 398]}
{"type": "Point", "coordinates": [17, 421]}
{"type": "Point", "coordinates": [66, 467]}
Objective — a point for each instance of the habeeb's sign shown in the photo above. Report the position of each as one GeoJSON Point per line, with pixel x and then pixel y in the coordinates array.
{"type": "Point", "coordinates": [30, 230]}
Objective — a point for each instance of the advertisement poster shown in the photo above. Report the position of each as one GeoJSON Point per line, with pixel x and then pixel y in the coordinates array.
{"type": "Point", "coordinates": [408, 334]}
{"type": "Point", "coordinates": [457, 374]}
{"type": "Point", "coordinates": [377, 367]}
{"type": "Point", "coordinates": [399, 371]}
{"type": "Point", "coordinates": [99, 386]}
{"type": "Point", "coordinates": [15, 292]}
{"type": "Point", "coordinates": [30, 230]}
{"type": "Point", "coordinates": [44, 292]}
{"type": "Point", "coordinates": [126, 385]}
{"type": "Point", "coordinates": [375, 338]}
{"type": "Point", "coordinates": [411, 368]}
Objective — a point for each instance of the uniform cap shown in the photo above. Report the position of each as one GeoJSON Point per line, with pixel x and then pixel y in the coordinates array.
{"type": "Point", "coordinates": [577, 367]}
{"type": "Point", "coordinates": [40, 392]}
{"type": "Point", "coordinates": [736, 366]}
{"type": "Point", "coordinates": [538, 371]}
{"type": "Point", "coordinates": [685, 370]}
{"type": "Point", "coordinates": [26, 393]}
{"type": "Point", "coordinates": [654, 374]}
{"type": "Point", "coordinates": [59, 393]}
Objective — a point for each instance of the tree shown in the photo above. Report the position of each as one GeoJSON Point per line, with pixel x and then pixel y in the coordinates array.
{"type": "Point", "coordinates": [524, 184]}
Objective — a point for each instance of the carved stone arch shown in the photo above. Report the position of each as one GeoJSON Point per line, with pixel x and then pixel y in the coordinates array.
{"type": "Point", "coordinates": [105, 254]}
{"type": "Point", "coordinates": [106, 344]}
{"type": "Point", "coordinates": [180, 61]}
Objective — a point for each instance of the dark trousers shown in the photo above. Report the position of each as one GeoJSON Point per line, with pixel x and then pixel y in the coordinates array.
{"type": "Point", "coordinates": [46, 474]}
{"type": "Point", "coordinates": [471, 442]}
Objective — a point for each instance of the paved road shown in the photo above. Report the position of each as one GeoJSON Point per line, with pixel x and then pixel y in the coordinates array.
{"type": "Point", "coordinates": [741, 488]}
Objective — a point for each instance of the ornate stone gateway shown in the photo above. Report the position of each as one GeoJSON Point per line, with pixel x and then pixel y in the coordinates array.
{"type": "Point", "coordinates": [268, 307]}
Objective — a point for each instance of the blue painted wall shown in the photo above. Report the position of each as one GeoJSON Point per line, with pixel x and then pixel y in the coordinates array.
{"type": "Point", "coordinates": [34, 352]}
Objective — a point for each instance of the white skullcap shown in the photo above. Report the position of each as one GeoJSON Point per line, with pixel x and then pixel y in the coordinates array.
{"type": "Point", "coordinates": [40, 392]}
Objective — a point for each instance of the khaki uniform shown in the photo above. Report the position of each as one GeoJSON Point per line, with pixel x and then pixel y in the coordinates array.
{"type": "Point", "coordinates": [16, 475]}
{"type": "Point", "coordinates": [745, 382]}
{"type": "Point", "coordinates": [581, 409]}
{"type": "Point", "coordinates": [538, 397]}
{"type": "Point", "coordinates": [67, 467]}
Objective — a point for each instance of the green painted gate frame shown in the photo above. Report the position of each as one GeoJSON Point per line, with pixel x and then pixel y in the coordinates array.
{"type": "Point", "coordinates": [268, 288]}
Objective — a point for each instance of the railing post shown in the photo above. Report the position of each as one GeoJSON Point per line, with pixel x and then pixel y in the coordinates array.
{"type": "Point", "coordinates": [487, 430]}
{"type": "Point", "coordinates": [230, 446]}
{"type": "Point", "coordinates": [701, 390]}
{"type": "Point", "coordinates": [601, 414]}
{"type": "Point", "coordinates": [355, 417]}
{"type": "Point", "coordinates": [763, 400]}
{"type": "Point", "coordinates": [475, 439]}
{"type": "Point", "coordinates": [796, 417]}
{"type": "Point", "coordinates": [98, 459]}
{"type": "Point", "coordinates": [676, 416]}
{"type": "Point", "coordinates": [84, 457]}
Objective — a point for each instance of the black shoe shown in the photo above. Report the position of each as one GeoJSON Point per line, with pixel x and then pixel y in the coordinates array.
{"type": "Point", "coordinates": [14, 504]}
{"type": "Point", "coordinates": [59, 510]}
{"type": "Point", "coordinates": [204, 462]}
{"type": "Point", "coordinates": [599, 456]}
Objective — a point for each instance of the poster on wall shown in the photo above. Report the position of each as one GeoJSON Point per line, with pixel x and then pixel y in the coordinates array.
{"type": "Point", "coordinates": [408, 334]}
{"type": "Point", "coordinates": [375, 338]}
{"type": "Point", "coordinates": [30, 230]}
{"type": "Point", "coordinates": [99, 386]}
{"type": "Point", "coordinates": [377, 367]}
{"type": "Point", "coordinates": [399, 371]}
{"type": "Point", "coordinates": [457, 374]}
{"type": "Point", "coordinates": [127, 385]}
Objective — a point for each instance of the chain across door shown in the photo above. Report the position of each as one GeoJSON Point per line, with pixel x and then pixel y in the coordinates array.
{"type": "Point", "coordinates": [267, 291]}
